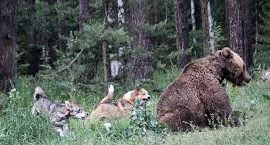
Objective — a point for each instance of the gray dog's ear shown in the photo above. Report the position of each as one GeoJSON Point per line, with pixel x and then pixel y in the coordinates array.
{"type": "Point", "coordinates": [63, 113]}
{"type": "Point", "coordinates": [69, 105]}
{"type": "Point", "coordinates": [39, 93]}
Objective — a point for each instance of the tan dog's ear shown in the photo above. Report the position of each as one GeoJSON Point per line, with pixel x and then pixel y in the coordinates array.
{"type": "Point", "coordinates": [136, 91]}
{"type": "Point", "coordinates": [134, 94]}
{"type": "Point", "coordinates": [226, 52]}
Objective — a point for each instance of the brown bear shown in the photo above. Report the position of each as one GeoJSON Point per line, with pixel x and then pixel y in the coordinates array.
{"type": "Point", "coordinates": [197, 96]}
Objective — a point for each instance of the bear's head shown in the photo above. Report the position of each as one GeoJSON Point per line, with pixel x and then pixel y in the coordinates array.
{"type": "Point", "coordinates": [234, 68]}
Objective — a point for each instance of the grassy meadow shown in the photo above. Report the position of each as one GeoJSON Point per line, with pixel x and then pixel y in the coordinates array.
{"type": "Point", "coordinates": [18, 127]}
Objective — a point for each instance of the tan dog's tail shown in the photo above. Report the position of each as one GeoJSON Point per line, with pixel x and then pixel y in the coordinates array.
{"type": "Point", "coordinates": [109, 96]}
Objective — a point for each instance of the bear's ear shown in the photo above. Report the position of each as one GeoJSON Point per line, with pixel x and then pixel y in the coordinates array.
{"type": "Point", "coordinates": [226, 52]}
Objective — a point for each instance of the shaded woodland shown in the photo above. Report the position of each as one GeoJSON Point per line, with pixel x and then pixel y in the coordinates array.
{"type": "Point", "coordinates": [125, 40]}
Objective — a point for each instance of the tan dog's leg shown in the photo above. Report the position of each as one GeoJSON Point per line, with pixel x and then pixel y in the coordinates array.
{"type": "Point", "coordinates": [119, 104]}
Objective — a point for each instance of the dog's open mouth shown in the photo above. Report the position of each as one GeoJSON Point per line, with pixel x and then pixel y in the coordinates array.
{"type": "Point", "coordinates": [146, 99]}
{"type": "Point", "coordinates": [81, 115]}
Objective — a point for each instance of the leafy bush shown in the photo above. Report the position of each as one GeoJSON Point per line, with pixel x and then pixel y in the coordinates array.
{"type": "Point", "coordinates": [141, 122]}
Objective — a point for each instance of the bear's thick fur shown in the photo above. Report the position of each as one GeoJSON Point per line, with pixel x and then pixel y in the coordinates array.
{"type": "Point", "coordinates": [197, 95]}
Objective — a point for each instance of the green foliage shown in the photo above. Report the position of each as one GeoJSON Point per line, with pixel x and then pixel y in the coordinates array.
{"type": "Point", "coordinates": [196, 49]}
{"type": "Point", "coordinates": [84, 47]}
{"type": "Point", "coordinates": [220, 40]}
{"type": "Point", "coordinates": [92, 35]}
{"type": "Point", "coordinates": [164, 33]}
{"type": "Point", "coordinates": [262, 46]}
{"type": "Point", "coordinates": [48, 23]}
{"type": "Point", "coordinates": [142, 123]}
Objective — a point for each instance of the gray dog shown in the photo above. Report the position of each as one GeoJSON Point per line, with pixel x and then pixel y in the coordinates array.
{"type": "Point", "coordinates": [57, 113]}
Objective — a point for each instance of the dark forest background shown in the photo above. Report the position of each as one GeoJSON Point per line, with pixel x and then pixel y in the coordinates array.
{"type": "Point", "coordinates": [77, 40]}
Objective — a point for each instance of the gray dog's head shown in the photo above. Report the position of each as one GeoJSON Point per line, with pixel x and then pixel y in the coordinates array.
{"type": "Point", "coordinates": [75, 110]}
{"type": "Point", "coordinates": [39, 93]}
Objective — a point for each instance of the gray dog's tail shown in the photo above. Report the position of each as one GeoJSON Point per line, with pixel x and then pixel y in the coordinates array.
{"type": "Point", "coordinates": [39, 93]}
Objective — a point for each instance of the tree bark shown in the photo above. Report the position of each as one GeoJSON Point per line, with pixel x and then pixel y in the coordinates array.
{"type": "Point", "coordinates": [140, 60]}
{"type": "Point", "coordinates": [48, 37]}
{"type": "Point", "coordinates": [205, 25]}
{"type": "Point", "coordinates": [33, 53]}
{"type": "Point", "coordinates": [7, 43]}
{"type": "Point", "coordinates": [115, 61]}
{"type": "Point", "coordinates": [211, 28]}
{"type": "Point", "coordinates": [182, 31]}
{"type": "Point", "coordinates": [63, 30]}
{"type": "Point", "coordinates": [208, 27]}
{"type": "Point", "coordinates": [193, 19]}
{"type": "Point", "coordinates": [83, 12]}
{"type": "Point", "coordinates": [105, 45]}
{"type": "Point", "coordinates": [121, 12]}
{"type": "Point", "coordinates": [239, 28]}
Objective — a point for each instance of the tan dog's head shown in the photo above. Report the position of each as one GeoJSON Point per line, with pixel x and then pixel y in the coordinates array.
{"type": "Point", "coordinates": [75, 110]}
{"type": "Point", "coordinates": [137, 94]}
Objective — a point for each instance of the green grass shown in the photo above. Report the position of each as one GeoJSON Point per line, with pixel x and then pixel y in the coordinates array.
{"type": "Point", "coordinates": [18, 127]}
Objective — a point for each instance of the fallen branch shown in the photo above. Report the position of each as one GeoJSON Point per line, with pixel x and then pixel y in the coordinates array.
{"type": "Point", "coordinates": [67, 66]}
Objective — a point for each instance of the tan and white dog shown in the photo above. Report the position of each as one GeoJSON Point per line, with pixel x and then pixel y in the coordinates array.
{"type": "Point", "coordinates": [121, 108]}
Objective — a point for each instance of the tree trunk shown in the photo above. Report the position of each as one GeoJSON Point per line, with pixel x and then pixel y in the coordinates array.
{"type": "Point", "coordinates": [105, 45]}
{"type": "Point", "coordinates": [121, 12]}
{"type": "Point", "coordinates": [7, 43]}
{"type": "Point", "coordinates": [182, 36]}
{"type": "Point", "coordinates": [193, 19]}
{"type": "Point", "coordinates": [140, 60]}
{"type": "Point", "coordinates": [211, 28]}
{"type": "Point", "coordinates": [33, 53]}
{"type": "Point", "coordinates": [104, 61]}
{"type": "Point", "coordinates": [115, 62]}
{"type": "Point", "coordinates": [48, 38]}
{"type": "Point", "coordinates": [208, 27]}
{"type": "Point", "coordinates": [239, 30]}
{"type": "Point", "coordinates": [63, 30]}
{"type": "Point", "coordinates": [83, 12]}
{"type": "Point", "coordinates": [205, 25]}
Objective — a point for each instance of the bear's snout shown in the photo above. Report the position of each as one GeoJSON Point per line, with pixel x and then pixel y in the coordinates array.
{"type": "Point", "coordinates": [247, 78]}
